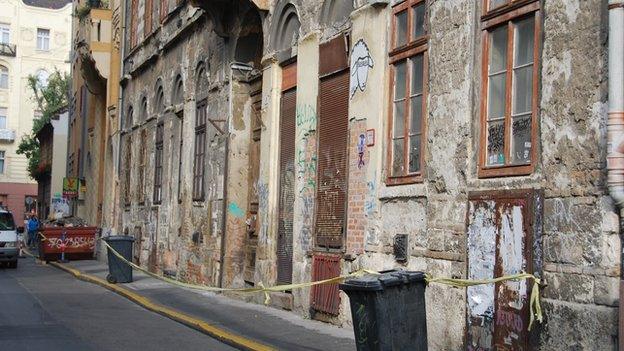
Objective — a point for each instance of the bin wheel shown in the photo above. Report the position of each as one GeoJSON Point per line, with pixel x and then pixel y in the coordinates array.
{"type": "Point", "coordinates": [111, 279]}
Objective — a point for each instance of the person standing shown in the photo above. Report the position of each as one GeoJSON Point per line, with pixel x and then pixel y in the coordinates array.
{"type": "Point", "coordinates": [33, 226]}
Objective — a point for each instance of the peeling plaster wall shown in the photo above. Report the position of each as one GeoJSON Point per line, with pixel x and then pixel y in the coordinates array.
{"type": "Point", "coordinates": [580, 244]}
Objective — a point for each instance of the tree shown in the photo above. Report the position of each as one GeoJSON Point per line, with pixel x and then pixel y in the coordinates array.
{"type": "Point", "coordinates": [50, 96]}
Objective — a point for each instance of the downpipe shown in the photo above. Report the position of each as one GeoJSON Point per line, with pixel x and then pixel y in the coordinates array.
{"type": "Point", "coordinates": [615, 134]}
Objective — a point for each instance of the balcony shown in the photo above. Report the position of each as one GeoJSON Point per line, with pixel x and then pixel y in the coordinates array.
{"type": "Point", "coordinates": [7, 135]}
{"type": "Point", "coordinates": [8, 49]}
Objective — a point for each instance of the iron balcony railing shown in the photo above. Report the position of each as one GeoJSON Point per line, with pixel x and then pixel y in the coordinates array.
{"type": "Point", "coordinates": [8, 49]}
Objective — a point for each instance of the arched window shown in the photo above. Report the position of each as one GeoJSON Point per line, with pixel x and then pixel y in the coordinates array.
{"type": "Point", "coordinates": [160, 98]}
{"type": "Point", "coordinates": [201, 109]}
{"type": "Point", "coordinates": [4, 77]}
{"type": "Point", "coordinates": [178, 91]}
{"type": "Point", "coordinates": [143, 111]}
{"type": "Point", "coordinates": [285, 28]}
{"type": "Point", "coordinates": [129, 118]}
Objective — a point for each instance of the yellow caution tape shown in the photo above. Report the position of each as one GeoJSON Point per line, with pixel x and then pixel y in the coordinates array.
{"type": "Point", "coordinates": [535, 307]}
{"type": "Point", "coordinates": [534, 302]}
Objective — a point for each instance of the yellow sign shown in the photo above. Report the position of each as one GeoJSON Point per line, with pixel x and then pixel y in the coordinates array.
{"type": "Point", "coordinates": [70, 187]}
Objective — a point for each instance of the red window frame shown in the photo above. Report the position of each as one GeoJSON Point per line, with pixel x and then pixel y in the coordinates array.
{"type": "Point", "coordinates": [508, 15]}
{"type": "Point", "coordinates": [407, 52]}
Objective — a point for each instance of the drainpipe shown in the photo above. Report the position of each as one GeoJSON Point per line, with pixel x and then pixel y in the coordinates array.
{"type": "Point", "coordinates": [615, 133]}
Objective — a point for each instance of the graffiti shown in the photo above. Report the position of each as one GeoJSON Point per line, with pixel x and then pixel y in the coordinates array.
{"type": "Point", "coordinates": [509, 320]}
{"type": "Point", "coordinates": [306, 117]}
{"type": "Point", "coordinates": [370, 205]}
{"type": "Point", "coordinates": [235, 210]}
{"type": "Point", "coordinates": [71, 243]}
{"type": "Point", "coordinates": [360, 149]}
{"type": "Point", "coordinates": [361, 63]}
{"type": "Point", "coordinates": [262, 191]}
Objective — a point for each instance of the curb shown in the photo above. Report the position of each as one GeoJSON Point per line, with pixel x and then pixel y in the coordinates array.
{"type": "Point", "coordinates": [222, 335]}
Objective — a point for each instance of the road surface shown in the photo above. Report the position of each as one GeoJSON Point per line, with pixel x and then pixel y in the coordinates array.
{"type": "Point", "coordinates": [43, 308]}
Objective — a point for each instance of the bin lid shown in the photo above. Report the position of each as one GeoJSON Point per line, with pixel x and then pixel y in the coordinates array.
{"type": "Point", "coordinates": [371, 282]}
{"type": "Point", "coordinates": [119, 238]}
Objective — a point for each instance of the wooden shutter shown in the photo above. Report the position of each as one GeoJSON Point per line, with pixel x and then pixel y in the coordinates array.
{"type": "Point", "coordinates": [333, 135]}
{"type": "Point", "coordinates": [504, 234]}
{"type": "Point", "coordinates": [147, 18]}
{"type": "Point", "coordinates": [325, 298]}
{"type": "Point", "coordinates": [287, 186]}
{"type": "Point", "coordinates": [134, 24]}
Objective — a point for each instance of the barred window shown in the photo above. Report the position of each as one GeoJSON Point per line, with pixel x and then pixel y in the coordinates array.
{"type": "Point", "coordinates": [200, 150]}
{"type": "Point", "coordinates": [158, 163]}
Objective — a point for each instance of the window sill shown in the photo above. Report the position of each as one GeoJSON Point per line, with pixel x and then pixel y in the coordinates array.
{"type": "Point", "coordinates": [506, 171]}
{"type": "Point", "coordinates": [411, 179]}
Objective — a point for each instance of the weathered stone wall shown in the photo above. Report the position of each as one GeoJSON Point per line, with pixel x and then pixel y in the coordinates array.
{"type": "Point", "coordinates": [580, 243]}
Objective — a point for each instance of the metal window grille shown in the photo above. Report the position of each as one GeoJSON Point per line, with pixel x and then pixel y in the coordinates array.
{"type": "Point", "coordinates": [200, 151]}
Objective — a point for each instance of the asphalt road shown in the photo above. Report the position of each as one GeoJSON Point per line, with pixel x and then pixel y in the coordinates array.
{"type": "Point", "coordinates": [43, 308]}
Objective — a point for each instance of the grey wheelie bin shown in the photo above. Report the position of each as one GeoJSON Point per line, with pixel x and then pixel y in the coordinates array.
{"type": "Point", "coordinates": [388, 310]}
{"type": "Point", "coordinates": [118, 270]}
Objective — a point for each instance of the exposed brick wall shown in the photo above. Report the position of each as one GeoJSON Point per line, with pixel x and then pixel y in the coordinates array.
{"type": "Point", "coordinates": [356, 218]}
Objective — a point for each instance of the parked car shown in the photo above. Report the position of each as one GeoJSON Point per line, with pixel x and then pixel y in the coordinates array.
{"type": "Point", "coordinates": [9, 239]}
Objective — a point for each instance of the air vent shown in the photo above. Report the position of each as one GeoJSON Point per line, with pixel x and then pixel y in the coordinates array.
{"type": "Point", "coordinates": [400, 247]}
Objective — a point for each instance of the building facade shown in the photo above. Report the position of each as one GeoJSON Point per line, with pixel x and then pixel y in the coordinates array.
{"type": "Point", "coordinates": [53, 145]}
{"type": "Point", "coordinates": [92, 121]}
{"type": "Point", "coordinates": [28, 46]}
{"type": "Point", "coordinates": [289, 141]}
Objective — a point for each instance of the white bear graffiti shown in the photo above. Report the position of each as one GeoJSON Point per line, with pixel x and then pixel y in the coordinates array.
{"type": "Point", "coordinates": [361, 62]}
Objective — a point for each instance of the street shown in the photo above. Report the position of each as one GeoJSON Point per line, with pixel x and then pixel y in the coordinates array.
{"type": "Point", "coordinates": [43, 308]}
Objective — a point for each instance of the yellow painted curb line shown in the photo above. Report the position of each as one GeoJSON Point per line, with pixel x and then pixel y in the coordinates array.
{"type": "Point", "coordinates": [197, 324]}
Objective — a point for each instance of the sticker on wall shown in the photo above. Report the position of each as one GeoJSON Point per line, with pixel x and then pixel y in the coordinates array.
{"type": "Point", "coordinates": [361, 63]}
{"type": "Point", "coordinates": [360, 147]}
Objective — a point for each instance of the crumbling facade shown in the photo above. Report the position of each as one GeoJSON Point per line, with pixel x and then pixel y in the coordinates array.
{"type": "Point", "coordinates": [288, 141]}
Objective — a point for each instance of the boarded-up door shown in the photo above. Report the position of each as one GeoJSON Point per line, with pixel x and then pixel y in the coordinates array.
{"type": "Point", "coordinates": [333, 135]}
{"type": "Point", "coordinates": [504, 230]}
{"type": "Point", "coordinates": [287, 177]}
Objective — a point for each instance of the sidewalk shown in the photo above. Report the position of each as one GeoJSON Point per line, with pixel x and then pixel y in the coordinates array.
{"type": "Point", "coordinates": [276, 328]}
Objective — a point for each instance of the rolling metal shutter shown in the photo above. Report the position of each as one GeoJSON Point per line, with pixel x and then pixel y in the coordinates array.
{"type": "Point", "coordinates": [333, 135]}
{"type": "Point", "coordinates": [286, 187]}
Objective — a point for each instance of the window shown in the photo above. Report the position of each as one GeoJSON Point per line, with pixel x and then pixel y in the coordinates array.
{"type": "Point", "coordinates": [160, 100]}
{"type": "Point", "coordinates": [2, 161]}
{"type": "Point", "coordinates": [147, 17]}
{"type": "Point", "coordinates": [134, 24]}
{"type": "Point", "coordinates": [408, 111]}
{"type": "Point", "coordinates": [200, 149]}
{"type": "Point", "coordinates": [158, 163]}
{"type": "Point", "coordinates": [143, 115]}
{"type": "Point", "coordinates": [128, 170]}
{"type": "Point", "coordinates": [43, 39]}
{"type": "Point", "coordinates": [508, 111]}
{"type": "Point", "coordinates": [3, 118]}
{"type": "Point", "coordinates": [164, 9]}
{"type": "Point", "coordinates": [5, 33]}
{"type": "Point", "coordinates": [177, 99]}
{"type": "Point", "coordinates": [142, 163]}
{"type": "Point", "coordinates": [129, 118]}
{"type": "Point", "coordinates": [6, 221]}
{"type": "Point", "coordinates": [4, 77]}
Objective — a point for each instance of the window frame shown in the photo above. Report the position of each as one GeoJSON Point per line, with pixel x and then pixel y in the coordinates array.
{"type": "Point", "coordinates": [127, 196]}
{"type": "Point", "coordinates": [4, 72]}
{"type": "Point", "coordinates": [158, 163]}
{"type": "Point", "coordinates": [411, 49]}
{"type": "Point", "coordinates": [2, 161]}
{"type": "Point", "coordinates": [43, 38]}
{"type": "Point", "coordinates": [142, 166]}
{"type": "Point", "coordinates": [508, 15]}
{"type": "Point", "coordinates": [5, 28]}
{"type": "Point", "coordinates": [4, 113]}
{"type": "Point", "coordinates": [199, 150]}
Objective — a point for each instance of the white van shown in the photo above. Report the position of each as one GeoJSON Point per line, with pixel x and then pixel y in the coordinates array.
{"type": "Point", "coordinates": [9, 239]}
